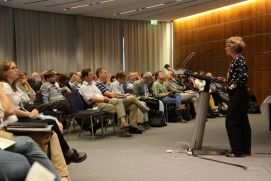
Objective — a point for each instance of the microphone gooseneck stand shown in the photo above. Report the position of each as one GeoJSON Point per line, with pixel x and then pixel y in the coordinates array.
{"type": "Point", "coordinates": [201, 118]}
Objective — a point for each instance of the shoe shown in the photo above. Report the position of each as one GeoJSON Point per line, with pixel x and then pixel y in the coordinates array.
{"type": "Point", "coordinates": [146, 125]}
{"type": "Point", "coordinates": [247, 153]}
{"type": "Point", "coordinates": [220, 115]}
{"type": "Point", "coordinates": [225, 107]}
{"type": "Point", "coordinates": [63, 179]}
{"type": "Point", "coordinates": [76, 157]}
{"type": "Point", "coordinates": [124, 125]}
{"type": "Point", "coordinates": [181, 108]}
{"type": "Point", "coordinates": [123, 133]}
{"type": "Point", "coordinates": [180, 120]}
{"type": "Point", "coordinates": [230, 154]}
{"type": "Point", "coordinates": [134, 130]}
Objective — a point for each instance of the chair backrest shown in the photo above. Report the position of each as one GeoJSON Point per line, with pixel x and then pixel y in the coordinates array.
{"type": "Point", "coordinates": [85, 104]}
{"type": "Point", "coordinates": [39, 99]}
{"type": "Point", "coordinates": [75, 102]}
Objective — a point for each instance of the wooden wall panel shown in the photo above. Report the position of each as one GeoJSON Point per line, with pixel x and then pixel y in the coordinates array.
{"type": "Point", "coordinates": [206, 34]}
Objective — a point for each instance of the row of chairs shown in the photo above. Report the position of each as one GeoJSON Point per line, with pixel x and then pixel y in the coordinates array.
{"type": "Point", "coordinates": [77, 111]}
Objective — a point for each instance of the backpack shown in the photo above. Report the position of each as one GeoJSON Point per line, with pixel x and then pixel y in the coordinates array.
{"type": "Point", "coordinates": [253, 107]}
{"type": "Point", "coordinates": [171, 113]}
{"type": "Point", "coordinates": [156, 118]}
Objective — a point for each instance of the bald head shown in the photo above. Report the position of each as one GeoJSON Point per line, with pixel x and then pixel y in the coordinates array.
{"type": "Point", "coordinates": [209, 74]}
{"type": "Point", "coordinates": [36, 76]}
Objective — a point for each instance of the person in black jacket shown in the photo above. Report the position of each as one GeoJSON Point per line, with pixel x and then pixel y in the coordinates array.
{"type": "Point", "coordinates": [237, 123]}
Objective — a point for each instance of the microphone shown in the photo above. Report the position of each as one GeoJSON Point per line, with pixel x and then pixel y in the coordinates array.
{"type": "Point", "coordinates": [187, 59]}
{"type": "Point", "coordinates": [187, 62]}
{"type": "Point", "coordinates": [201, 77]}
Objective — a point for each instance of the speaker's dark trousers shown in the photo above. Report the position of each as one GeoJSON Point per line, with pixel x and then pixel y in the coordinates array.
{"type": "Point", "coordinates": [237, 123]}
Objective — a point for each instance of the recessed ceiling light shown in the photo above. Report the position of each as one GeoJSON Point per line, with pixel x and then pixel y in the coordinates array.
{"type": "Point", "coordinates": [84, 5]}
{"type": "Point", "coordinates": [107, 1]}
{"type": "Point", "coordinates": [126, 12]}
{"type": "Point", "coordinates": [75, 7]}
{"type": "Point", "coordinates": [154, 6]}
{"type": "Point", "coordinates": [139, 9]}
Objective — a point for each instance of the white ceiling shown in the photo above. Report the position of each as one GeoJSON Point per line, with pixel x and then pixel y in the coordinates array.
{"type": "Point", "coordinates": [165, 10]}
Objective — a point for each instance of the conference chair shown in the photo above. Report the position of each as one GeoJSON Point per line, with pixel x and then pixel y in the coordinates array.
{"type": "Point", "coordinates": [77, 111]}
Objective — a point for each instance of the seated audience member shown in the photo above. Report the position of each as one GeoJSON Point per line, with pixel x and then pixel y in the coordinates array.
{"type": "Point", "coordinates": [167, 67]}
{"type": "Point", "coordinates": [63, 80]}
{"type": "Point", "coordinates": [138, 76]}
{"type": "Point", "coordinates": [35, 81]}
{"type": "Point", "coordinates": [8, 74]}
{"type": "Point", "coordinates": [24, 85]}
{"type": "Point", "coordinates": [53, 94]}
{"type": "Point", "coordinates": [75, 82]}
{"type": "Point", "coordinates": [142, 90]}
{"type": "Point", "coordinates": [109, 77]}
{"type": "Point", "coordinates": [71, 74]}
{"type": "Point", "coordinates": [161, 92]}
{"type": "Point", "coordinates": [129, 84]}
{"type": "Point", "coordinates": [92, 94]}
{"type": "Point", "coordinates": [190, 84]}
{"type": "Point", "coordinates": [28, 148]}
{"type": "Point", "coordinates": [113, 78]}
{"type": "Point", "coordinates": [42, 77]}
{"type": "Point", "coordinates": [142, 87]}
{"type": "Point", "coordinates": [117, 87]}
{"type": "Point", "coordinates": [173, 86]}
{"type": "Point", "coordinates": [16, 161]}
{"type": "Point", "coordinates": [200, 83]}
{"type": "Point", "coordinates": [218, 92]}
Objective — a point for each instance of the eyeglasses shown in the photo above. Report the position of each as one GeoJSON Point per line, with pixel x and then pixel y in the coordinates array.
{"type": "Point", "coordinates": [13, 68]}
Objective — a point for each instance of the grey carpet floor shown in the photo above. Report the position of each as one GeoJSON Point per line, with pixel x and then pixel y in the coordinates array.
{"type": "Point", "coordinates": [144, 157]}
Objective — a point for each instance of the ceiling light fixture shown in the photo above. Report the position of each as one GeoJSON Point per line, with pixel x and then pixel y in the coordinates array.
{"type": "Point", "coordinates": [106, 1]}
{"type": "Point", "coordinates": [64, 3]}
{"type": "Point", "coordinates": [85, 5]}
{"type": "Point", "coordinates": [213, 10]}
{"type": "Point", "coordinates": [126, 12]}
{"type": "Point", "coordinates": [36, 1]}
{"type": "Point", "coordinates": [157, 5]}
{"type": "Point", "coordinates": [75, 7]}
{"type": "Point", "coordinates": [139, 9]}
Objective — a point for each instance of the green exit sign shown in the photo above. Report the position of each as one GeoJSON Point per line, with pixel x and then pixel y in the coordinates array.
{"type": "Point", "coordinates": [154, 22]}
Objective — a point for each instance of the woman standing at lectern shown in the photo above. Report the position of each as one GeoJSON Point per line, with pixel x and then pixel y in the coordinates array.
{"type": "Point", "coordinates": [237, 123]}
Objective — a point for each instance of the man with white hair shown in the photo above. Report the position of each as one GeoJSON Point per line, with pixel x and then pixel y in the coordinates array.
{"type": "Point", "coordinates": [129, 84]}
{"type": "Point", "coordinates": [143, 89]}
{"type": "Point", "coordinates": [35, 81]}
